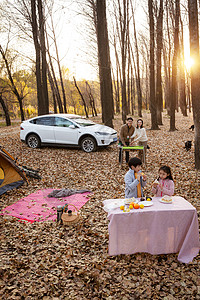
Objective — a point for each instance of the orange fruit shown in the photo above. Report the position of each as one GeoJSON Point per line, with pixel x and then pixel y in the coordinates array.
{"type": "Point", "coordinates": [131, 206]}
{"type": "Point", "coordinates": [141, 205]}
{"type": "Point", "coordinates": [122, 207]}
{"type": "Point", "coordinates": [136, 205]}
{"type": "Point", "coordinates": [132, 203]}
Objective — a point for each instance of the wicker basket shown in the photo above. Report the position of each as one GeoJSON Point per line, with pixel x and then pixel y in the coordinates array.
{"type": "Point", "coordinates": [71, 219]}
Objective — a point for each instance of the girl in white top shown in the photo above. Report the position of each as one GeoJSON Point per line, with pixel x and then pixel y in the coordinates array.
{"type": "Point", "coordinates": [140, 136]}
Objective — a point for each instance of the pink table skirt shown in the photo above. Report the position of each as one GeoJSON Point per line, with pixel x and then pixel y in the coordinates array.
{"type": "Point", "coordinates": [157, 229]}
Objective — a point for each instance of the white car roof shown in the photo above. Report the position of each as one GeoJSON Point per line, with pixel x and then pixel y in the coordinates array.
{"type": "Point", "coordinates": [69, 116]}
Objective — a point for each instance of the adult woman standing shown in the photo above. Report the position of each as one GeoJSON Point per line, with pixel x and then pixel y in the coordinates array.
{"type": "Point", "coordinates": [140, 136]}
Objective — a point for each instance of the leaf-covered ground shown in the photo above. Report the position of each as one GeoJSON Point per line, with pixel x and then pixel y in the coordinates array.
{"type": "Point", "coordinates": [49, 261]}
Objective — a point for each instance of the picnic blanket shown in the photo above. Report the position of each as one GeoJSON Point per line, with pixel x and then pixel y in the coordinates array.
{"type": "Point", "coordinates": [38, 207]}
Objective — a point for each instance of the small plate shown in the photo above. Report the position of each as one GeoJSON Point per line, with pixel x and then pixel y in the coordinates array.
{"type": "Point", "coordinates": [130, 200]}
{"type": "Point", "coordinates": [165, 202]}
{"type": "Point", "coordinates": [146, 203]}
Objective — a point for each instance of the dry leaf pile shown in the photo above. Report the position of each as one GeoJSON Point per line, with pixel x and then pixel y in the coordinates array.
{"type": "Point", "coordinates": [48, 261]}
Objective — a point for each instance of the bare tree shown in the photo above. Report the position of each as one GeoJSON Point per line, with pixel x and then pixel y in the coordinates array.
{"type": "Point", "coordinates": [154, 121]}
{"type": "Point", "coordinates": [118, 77]}
{"type": "Point", "coordinates": [123, 29]}
{"type": "Point", "coordinates": [91, 98]}
{"type": "Point", "coordinates": [137, 67]}
{"type": "Point", "coordinates": [167, 52]}
{"type": "Point", "coordinates": [104, 64]}
{"type": "Point", "coordinates": [182, 79]}
{"type": "Point", "coordinates": [14, 89]}
{"type": "Point", "coordinates": [5, 110]}
{"type": "Point", "coordinates": [159, 42]}
{"type": "Point", "coordinates": [53, 80]}
{"type": "Point", "coordinates": [195, 74]}
{"type": "Point", "coordinates": [174, 67]}
{"type": "Point", "coordinates": [84, 102]}
{"type": "Point", "coordinates": [53, 89]}
{"type": "Point", "coordinates": [37, 23]}
{"type": "Point", "coordinates": [58, 61]}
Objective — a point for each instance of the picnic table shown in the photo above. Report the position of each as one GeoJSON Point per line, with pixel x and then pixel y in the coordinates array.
{"type": "Point", "coordinates": [156, 229]}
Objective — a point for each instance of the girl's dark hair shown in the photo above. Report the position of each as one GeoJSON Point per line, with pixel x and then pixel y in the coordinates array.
{"type": "Point", "coordinates": [137, 123]}
{"type": "Point", "coordinates": [134, 161]}
{"type": "Point", "coordinates": [129, 118]}
{"type": "Point", "coordinates": [167, 170]}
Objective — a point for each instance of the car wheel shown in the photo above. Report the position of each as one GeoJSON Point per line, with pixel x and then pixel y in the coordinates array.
{"type": "Point", "coordinates": [88, 144]}
{"type": "Point", "coordinates": [33, 141]}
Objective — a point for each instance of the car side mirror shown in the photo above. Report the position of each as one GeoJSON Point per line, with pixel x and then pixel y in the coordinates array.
{"type": "Point", "coordinates": [72, 126]}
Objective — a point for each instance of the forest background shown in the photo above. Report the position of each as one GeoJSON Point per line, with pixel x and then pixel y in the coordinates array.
{"type": "Point", "coordinates": [144, 71]}
{"type": "Point", "coordinates": [139, 50]}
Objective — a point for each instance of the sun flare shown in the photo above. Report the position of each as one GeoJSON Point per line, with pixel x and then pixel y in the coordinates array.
{"type": "Point", "coordinates": [189, 62]}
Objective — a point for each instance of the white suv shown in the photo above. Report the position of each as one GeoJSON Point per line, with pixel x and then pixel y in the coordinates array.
{"type": "Point", "coordinates": [66, 130]}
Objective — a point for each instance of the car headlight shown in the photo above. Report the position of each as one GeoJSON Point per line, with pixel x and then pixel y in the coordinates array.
{"type": "Point", "coordinates": [102, 133]}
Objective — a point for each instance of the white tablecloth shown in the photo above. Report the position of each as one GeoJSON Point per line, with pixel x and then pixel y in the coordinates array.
{"type": "Point", "coordinates": [157, 229]}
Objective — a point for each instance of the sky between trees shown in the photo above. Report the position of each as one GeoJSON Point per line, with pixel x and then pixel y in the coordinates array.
{"type": "Point", "coordinates": [72, 28]}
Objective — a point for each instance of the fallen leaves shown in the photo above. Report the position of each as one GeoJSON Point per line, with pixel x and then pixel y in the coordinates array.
{"type": "Point", "coordinates": [48, 261]}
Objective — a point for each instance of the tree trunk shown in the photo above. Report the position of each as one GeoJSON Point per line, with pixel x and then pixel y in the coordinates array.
{"type": "Point", "coordinates": [114, 90]}
{"type": "Point", "coordinates": [13, 87]}
{"type": "Point", "coordinates": [174, 68]}
{"type": "Point", "coordinates": [90, 97]}
{"type": "Point", "coordinates": [54, 82]}
{"type": "Point", "coordinates": [53, 90]}
{"type": "Point", "coordinates": [84, 103]}
{"type": "Point", "coordinates": [167, 59]}
{"type": "Point", "coordinates": [188, 92]}
{"type": "Point", "coordinates": [44, 109]}
{"type": "Point", "coordinates": [137, 72]}
{"type": "Point", "coordinates": [6, 112]}
{"type": "Point", "coordinates": [106, 90]}
{"type": "Point", "coordinates": [195, 74]}
{"type": "Point", "coordinates": [92, 100]}
{"type": "Point", "coordinates": [57, 92]}
{"type": "Point", "coordinates": [132, 92]}
{"type": "Point", "coordinates": [118, 71]}
{"type": "Point", "coordinates": [153, 108]}
{"type": "Point", "coordinates": [122, 26]}
{"type": "Point", "coordinates": [118, 91]}
{"type": "Point", "coordinates": [73, 102]}
{"type": "Point", "coordinates": [40, 63]}
{"type": "Point", "coordinates": [182, 80]}
{"type": "Point", "coordinates": [159, 32]}
{"type": "Point", "coordinates": [128, 78]}
{"type": "Point", "coordinates": [59, 68]}
{"type": "Point", "coordinates": [147, 86]}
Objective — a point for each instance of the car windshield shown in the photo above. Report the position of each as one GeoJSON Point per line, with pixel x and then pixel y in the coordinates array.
{"type": "Point", "coordinates": [83, 122]}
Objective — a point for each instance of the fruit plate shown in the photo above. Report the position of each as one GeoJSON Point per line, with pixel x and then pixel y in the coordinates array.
{"type": "Point", "coordinates": [165, 202]}
{"type": "Point", "coordinates": [146, 203]}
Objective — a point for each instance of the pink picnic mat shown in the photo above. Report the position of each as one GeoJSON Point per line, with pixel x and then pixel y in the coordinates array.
{"type": "Point", "coordinates": [38, 207]}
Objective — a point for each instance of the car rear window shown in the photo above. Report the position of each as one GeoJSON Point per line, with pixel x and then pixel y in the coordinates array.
{"type": "Point", "coordinates": [47, 121]}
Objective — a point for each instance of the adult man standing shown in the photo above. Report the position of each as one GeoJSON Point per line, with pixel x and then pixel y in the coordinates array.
{"type": "Point", "coordinates": [126, 131]}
